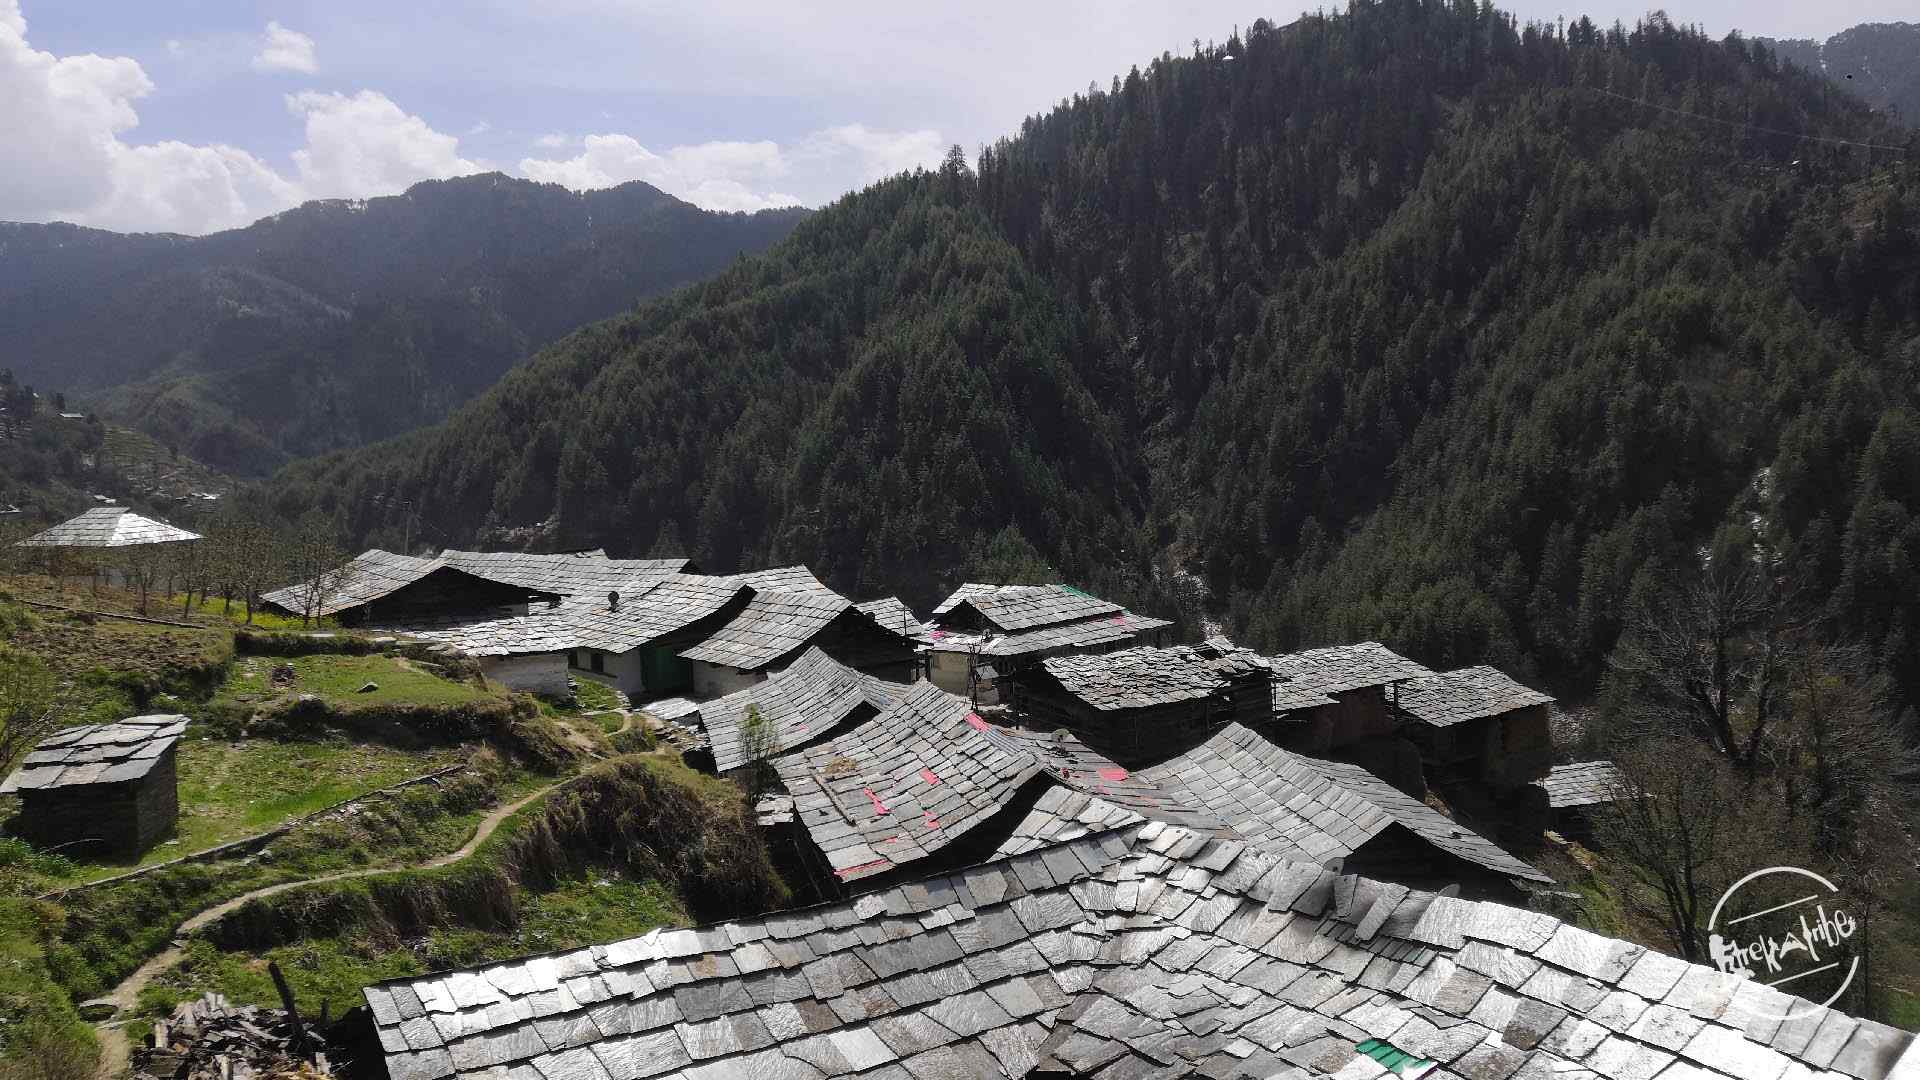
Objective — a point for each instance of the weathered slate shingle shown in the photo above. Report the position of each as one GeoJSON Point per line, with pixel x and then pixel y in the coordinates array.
{"type": "Point", "coordinates": [772, 625]}
{"type": "Point", "coordinates": [1108, 956]}
{"type": "Point", "coordinates": [108, 527]}
{"type": "Point", "coordinates": [806, 701]}
{"type": "Point", "coordinates": [96, 754]}
{"type": "Point", "coordinates": [1313, 677]}
{"type": "Point", "coordinates": [1581, 783]}
{"type": "Point", "coordinates": [1453, 697]}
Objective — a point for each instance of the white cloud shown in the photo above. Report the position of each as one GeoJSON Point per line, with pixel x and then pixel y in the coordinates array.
{"type": "Point", "coordinates": [282, 49]}
{"type": "Point", "coordinates": [480, 127]}
{"type": "Point", "coordinates": [743, 175]}
{"type": "Point", "coordinates": [556, 140]}
{"type": "Point", "coordinates": [62, 155]}
{"type": "Point", "coordinates": [366, 145]}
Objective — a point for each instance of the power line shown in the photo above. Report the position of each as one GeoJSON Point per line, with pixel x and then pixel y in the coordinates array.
{"type": "Point", "coordinates": [1751, 127]}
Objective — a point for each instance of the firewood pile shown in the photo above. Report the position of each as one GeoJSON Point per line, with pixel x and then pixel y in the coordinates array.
{"type": "Point", "coordinates": [212, 1039]}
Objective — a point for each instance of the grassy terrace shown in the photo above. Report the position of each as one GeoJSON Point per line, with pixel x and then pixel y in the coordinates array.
{"type": "Point", "coordinates": [338, 679]}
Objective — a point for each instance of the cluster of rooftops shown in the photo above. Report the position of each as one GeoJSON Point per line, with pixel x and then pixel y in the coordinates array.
{"type": "Point", "coordinates": [1047, 845]}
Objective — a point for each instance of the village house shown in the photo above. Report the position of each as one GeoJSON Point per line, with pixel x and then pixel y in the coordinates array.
{"type": "Point", "coordinates": [784, 619]}
{"type": "Point", "coordinates": [1338, 701]}
{"type": "Point", "coordinates": [110, 543]}
{"type": "Point", "coordinates": [1314, 811]}
{"type": "Point", "coordinates": [1141, 951]}
{"type": "Point", "coordinates": [628, 639]}
{"type": "Point", "coordinates": [894, 614]}
{"type": "Point", "coordinates": [386, 587]}
{"type": "Point", "coordinates": [1477, 724]}
{"type": "Point", "coordinates": [813, 699]}
{"type": "Point", "coordinates": [1144, 704]}
{"type": "Point", "coordinates": [984, 631]}
{"type": "Point", "coordinates": [101, 788]}
{"type": "Point", "coordinates": [908, 788]}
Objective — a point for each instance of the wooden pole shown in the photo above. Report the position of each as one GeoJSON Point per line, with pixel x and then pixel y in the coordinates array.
{"type": "Point", "coordinates": [293, 1010]}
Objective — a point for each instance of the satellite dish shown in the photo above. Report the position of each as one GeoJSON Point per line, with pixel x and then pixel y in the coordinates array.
{"type": "Point", "coordinates": [613, 600]}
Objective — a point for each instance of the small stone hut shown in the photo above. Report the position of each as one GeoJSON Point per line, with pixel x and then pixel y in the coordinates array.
{"type": "Point", "coordinates": [1479, 724]}
{"type": "Point", "coordinates": [100, 788]}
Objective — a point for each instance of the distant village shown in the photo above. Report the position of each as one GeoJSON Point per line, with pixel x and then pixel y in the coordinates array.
{"type": "Point", "coordinates": [1029, 836]}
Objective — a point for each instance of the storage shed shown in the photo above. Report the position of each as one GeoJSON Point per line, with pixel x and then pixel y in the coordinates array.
{"type": "Point", "coordinates": [1478, 724]}
{"type": "Point", "coordinates": [1143, 705]}
{"type": "Point", "coordinates": [100, 788]}
{"type": "Point", "coordinates": [1337, 696]}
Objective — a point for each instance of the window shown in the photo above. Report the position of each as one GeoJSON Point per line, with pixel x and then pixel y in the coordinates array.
{"type": "Point", "coordinates": [600, 662]}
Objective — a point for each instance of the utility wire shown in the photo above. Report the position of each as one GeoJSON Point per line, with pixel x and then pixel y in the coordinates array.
{"type": "Point", "coordinates": [1751, 127]}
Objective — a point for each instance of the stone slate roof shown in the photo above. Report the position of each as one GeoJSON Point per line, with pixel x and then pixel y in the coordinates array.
{"type": "Point", "coordinates": [1314, 676]}
{"type": "Point", "coordinates": [588, 573]}
{"type": "Point", "coordinates": [804, 702]}
{"type": "Point", "coordinates": [784, 579]}
{"type": "Point", "coordinates": [1092, 633]}
{"type": "Point", "coordinates": [902, 785]}
{"type": "Point", "coordinates": [1581, 783]}
{"type": "Point", "coordinates": [371, 575]}
{"type": "Point", "coordinates": [644, 615]}
{"type": "Point", "coordinates": [1146, 953]}
{"type": "Point", "coordinates": [97, 754]}
{"type": "Point", "coordinates": [1454, 697]}
{"type": "Point", "coordinates": [894, 614]}
{"type": "Point", "coordinates": [107, 527]}
{"type": "Point", "coordinates": [1309, 809]}
{"type": "Point", "coordinates": [1081, 774]}
{"type": "Point", "coordinates": [773, 624]}
{"type": "Point", "coordinates": [1011, 608]}
{"type": "Point", "coordinates": [1143, 677]}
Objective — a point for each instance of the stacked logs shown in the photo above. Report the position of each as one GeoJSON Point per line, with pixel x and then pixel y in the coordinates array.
{"type": "Point", "coordinates": [212, 1039]}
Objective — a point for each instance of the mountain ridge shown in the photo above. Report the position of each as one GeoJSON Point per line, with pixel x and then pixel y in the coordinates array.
{"type": "Point", "coordinates": [449, 284]}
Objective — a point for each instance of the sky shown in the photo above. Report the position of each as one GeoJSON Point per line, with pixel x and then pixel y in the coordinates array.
{"type": "Point", "coordinates": [193, 116]}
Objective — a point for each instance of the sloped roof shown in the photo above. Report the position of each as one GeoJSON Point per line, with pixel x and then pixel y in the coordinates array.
{"type": "Point", "coordinates": [653, 611]}
{"type": "Point", "coordinates": [1582, 783]}
{"type": "Point", "coordinates": [1145, 676]}
{"type": "Point", "coordinates": [1120, 793]}
{"type": "Point", "coordinates": [1088, 634]}
{"type": "Point", "coordinates": [773, 624]}
{"type": "Point", "coordinates": [1453, 697]}
{"type": "Point", "coordinates": [804, 702]}
{"type": "Point", "coordinates": [108, 527]}
{"type": "Point", "coordinates": [1011, 608]}
{"type": "Point", "coordinates": [1314, 676]}
{"type": "Point", "coordinates": [1312, 810]}
{"type": "Point", "coordinates": [1145, 953]}
{"type": "Point", "coordinates": [784, 579]}
{"type": "Point", "coordinates": [904, 784]}
{"type": "Point", "coordinates": [894, 614]}
{"type": "Point", "coordinates": [586, 573]}
{"type": "Point", "coordinates": [370, 575]}
{"type": "Point", "coordinates": [97, 754]}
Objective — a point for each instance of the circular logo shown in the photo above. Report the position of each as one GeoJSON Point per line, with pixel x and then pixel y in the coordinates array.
{"type": "Point", "coordinates": [1787, 928]}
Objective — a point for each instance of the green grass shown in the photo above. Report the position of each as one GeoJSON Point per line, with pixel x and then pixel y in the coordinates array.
{"type": "Point", "coordinates": [338, 679]}
{"type": "Point", "coordinates": [333, 970]}
{"type": "Point", "coordinates": [591, 695]}
{"type": "Point", "coordinates": [229, 790]}
{"type": "Point", "coordinates": [95, 938]}
{"type": "Point", "coordinates": [217, 611]}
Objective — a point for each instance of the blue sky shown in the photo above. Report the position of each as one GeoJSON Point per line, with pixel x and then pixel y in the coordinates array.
{"type": "Point", "coordinates": [194, 115]}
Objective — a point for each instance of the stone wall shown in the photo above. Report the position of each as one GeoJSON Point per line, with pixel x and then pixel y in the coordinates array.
{"type": "Point", "coordinates": [125, 818]}
{"type": "Point", "coordinates": [543, 673]}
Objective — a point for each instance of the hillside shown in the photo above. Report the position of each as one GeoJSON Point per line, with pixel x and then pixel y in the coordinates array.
{"type": "Point", "coordinates": [339, 323]}
{"type": "Point", "coordinates": [1412, 324]}
{"type": "Point", "coordinates": [1879, 62]}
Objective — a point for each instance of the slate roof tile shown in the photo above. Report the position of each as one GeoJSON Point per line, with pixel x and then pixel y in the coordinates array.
{"type": "Point", "coordinates": [107, 527]}
{"type": "Point", "coordinates": [1146, 964]}
{"type": "Point", "coordinates": [96, 754]}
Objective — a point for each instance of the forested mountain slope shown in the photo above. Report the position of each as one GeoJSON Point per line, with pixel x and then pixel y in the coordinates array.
{"type": "Point", "coordinates": [1407, 323]}
{"type": "Point", "coordinates": [339, 323]}
{"type": "Point", "coordinates": [1880, 62]}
